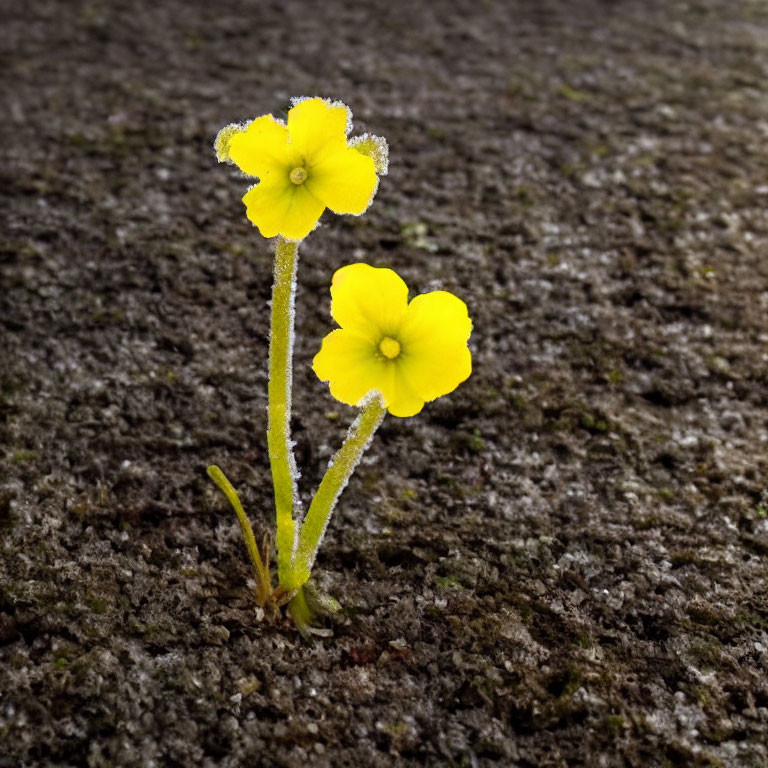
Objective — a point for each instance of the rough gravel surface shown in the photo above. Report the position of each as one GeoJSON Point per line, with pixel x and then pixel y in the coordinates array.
{"type": "Point", "coordinates": [563, 563]}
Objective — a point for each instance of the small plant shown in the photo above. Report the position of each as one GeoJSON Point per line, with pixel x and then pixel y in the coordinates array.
{"type": "Point", "coordinates": [388, 354]}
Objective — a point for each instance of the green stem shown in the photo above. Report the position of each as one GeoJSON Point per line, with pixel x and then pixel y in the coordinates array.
{"type": "Point", "coordinates": [333, 483]}
{"type": "Point", "coordinates": [284, 472]}
{"type": "Point", "coordinates": [262, 571]}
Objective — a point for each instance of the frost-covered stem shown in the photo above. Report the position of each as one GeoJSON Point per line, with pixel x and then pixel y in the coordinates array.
{"type": "Point", "coordinates": [278, 432]}
{"type": "Point", "coordinates": [333, 483]}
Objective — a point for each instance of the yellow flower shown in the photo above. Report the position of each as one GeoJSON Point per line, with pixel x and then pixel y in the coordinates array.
{"type": "Point", "coordinates": [410, 352]}
{"type": "Point", "coordinates": [304, 166]}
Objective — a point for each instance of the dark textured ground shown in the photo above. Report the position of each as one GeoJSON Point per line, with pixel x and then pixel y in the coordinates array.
{"type": "Point", "coordinates": [561, 564]}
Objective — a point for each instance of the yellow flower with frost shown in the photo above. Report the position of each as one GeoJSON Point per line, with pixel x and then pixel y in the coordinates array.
{"type": "Point", "coordinates": [410, 352]}
{"type": "Point", "coordinates": [304, 166]}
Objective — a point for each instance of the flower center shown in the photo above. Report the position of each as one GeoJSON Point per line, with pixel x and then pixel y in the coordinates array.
{"type": "Point", "coordinates": [298, 175]}
{"type": "Point", "coordinates": [389, 347]}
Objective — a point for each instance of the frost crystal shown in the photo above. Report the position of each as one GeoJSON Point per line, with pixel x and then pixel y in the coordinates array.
{"type": "Point", "coordinates": [223, 137]}
{"type": "Point", "coordinates": [375, 147]}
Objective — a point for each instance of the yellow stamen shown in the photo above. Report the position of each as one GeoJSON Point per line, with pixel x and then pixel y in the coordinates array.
{"type": "Point", "coordinates": [298, 175]}
{"type": "Point", "coordinates": [389, 347]}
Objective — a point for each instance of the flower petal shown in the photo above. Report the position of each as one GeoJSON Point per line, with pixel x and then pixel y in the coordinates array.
{"type": "Point", "coordinates": [370, 302]}
{"type": "Point", "coordinates": [345, 181]}
{"type": "Point", "coordinates": [317, 127]}
{"type": "Point", "coordinates": [401, 398]}
{"type": "Point", "coordinates": [435, 358]}
{"type": "Point", "coordinates": [278, 207]}
{"type": "Point", "coordinates": [262, 148]}
{"type": "Point", "coordinates": [350, 363]}
{"type": "Point", "coordinates": [352, 366]}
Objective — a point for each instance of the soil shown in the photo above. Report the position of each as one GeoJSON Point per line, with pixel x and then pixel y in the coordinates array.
{"type": "Point", "coordinates": [563, 563]}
